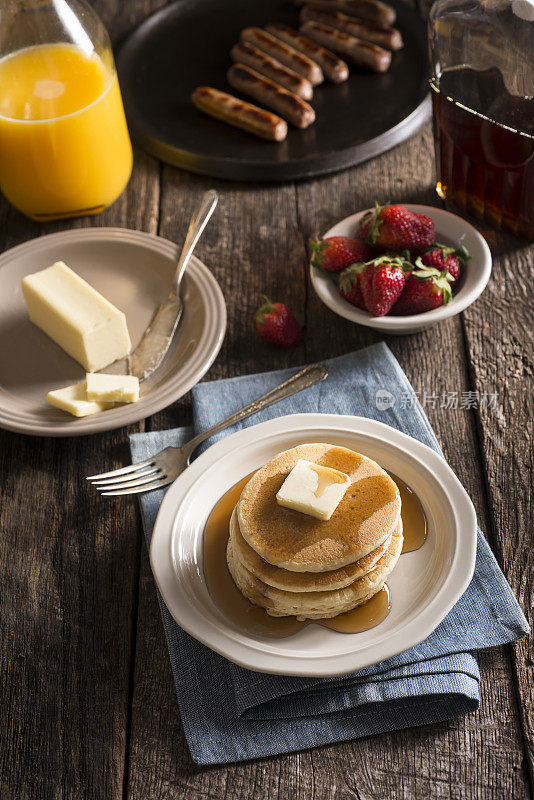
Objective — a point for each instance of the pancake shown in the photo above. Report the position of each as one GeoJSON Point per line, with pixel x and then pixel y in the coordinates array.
{"type": "Point", "coordinates": [366, 516]}
{"type": "Point", "coordinates": [314, 605]}
{"type": "Point", "coordinates": [300, 581]}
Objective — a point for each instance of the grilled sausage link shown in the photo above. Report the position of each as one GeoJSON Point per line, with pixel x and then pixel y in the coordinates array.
{"type": "Point", "coordinates": [245, 53]}
{"type": "Point", "coordinates": [365, 54]}
{"type": "Point", "coordinates": [373, 10]}
{"type": "Point", "coordinates": [284, 53]}
{"type": "Point", "coordinates": [390, 38]}
{"type": "Point", "coordinates": [291, 107]}
{"type": "Point", "coordinates": [333, 67]}
{"type": "Point", "coordinates": [236, 112]}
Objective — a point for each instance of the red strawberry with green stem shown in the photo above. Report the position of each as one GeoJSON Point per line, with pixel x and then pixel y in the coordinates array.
{"type": "Point", "coordinates": [426, 288]}
{"type": "Point", "coordinates": [337, 252]}
{"type": "Point", "coordinates": [366, 223]}
{"type": "Point", "coordinates": [275, 323]}
{"type": "Point", "coordinates": [397, 228]}
{"type": "Point", "coordinates": [349, 284]}
{"type": "Point", "coordinates": [382, 283]}
{"type": "Point", "coordinates": [442, 257]}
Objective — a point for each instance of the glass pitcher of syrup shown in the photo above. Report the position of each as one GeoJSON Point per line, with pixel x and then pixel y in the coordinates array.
{"type": "Point", "coordinates": [64, 144]}
{"type": "Point", "coordinates": [482, 54]}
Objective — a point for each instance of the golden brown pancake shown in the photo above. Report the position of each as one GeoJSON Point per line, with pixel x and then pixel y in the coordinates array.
{"type": "Point", "coordinates": [367, 515]}
{"type": "Point", "coordinates": [314, 605]}
{"type": "Point", "coordinates": [301, 581]}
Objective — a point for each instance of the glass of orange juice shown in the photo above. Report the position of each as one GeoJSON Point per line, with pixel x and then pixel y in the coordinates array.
{"type": "Point", "coordinates": [64, 144]}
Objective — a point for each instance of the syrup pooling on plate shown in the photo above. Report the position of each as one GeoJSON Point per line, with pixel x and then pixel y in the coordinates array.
{"type": "Point", "coordinates": [362, 618]}
{"type": "Point", "coordinates": [414, 526]}
{"type": "Point", "coordinates": [255, 619]}
{"type": "Point", "coordinates": [222, 589]}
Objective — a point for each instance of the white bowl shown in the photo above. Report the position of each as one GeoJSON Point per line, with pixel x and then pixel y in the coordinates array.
{"type": "Point", "coordinates": [450, 230]}
{"type": "Point", "coordinates": [424, 585]}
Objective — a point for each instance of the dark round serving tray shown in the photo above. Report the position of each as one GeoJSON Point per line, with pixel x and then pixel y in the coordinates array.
{"type": "Point", "coordinates": [187, 44]}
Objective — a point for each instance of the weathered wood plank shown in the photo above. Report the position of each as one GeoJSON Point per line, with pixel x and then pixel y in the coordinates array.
{"type": "Point", "coordinates": [248, 256]}
{"type": "Point", "coordinates": [436, 761]}
{"type": "Point", "coordinates": [247, 259]}
{"type": "Point", "coordinates": [69, 566]}
{"type": "Point", "coordinates": [477, 757]}
{"type": "Point", "coordinates": [435, 362]}
{"type": "Point", "coordinates": [68, 569]}
{"type": "Point", "coordinates": [500, 340]}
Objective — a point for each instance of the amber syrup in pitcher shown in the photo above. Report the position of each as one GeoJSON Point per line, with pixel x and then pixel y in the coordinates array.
{"type": "Point", "coordinates": [484, 140]}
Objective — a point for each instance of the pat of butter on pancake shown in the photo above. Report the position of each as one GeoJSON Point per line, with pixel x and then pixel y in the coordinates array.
{"type": "Point", "coordinates": [313, 489]}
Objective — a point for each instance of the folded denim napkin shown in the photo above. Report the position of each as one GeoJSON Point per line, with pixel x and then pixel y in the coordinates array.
{"type": "Point", "coordinates": [232, 714]}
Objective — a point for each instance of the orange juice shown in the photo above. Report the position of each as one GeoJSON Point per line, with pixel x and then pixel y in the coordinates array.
{"type": "Point", "coordinates": [64, 144]}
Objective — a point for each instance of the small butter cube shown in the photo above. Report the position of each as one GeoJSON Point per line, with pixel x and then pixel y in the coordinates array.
{"type": "Point", "coordinates": [313, 489]}
{"type": "Point", "coordinates": [86, 325]}
{"type": "Point", "coordinates": [112, 388]}
{"type": "Point", "coordinates": [74, 400]}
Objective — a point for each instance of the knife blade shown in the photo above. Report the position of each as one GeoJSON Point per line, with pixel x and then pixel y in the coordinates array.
{"type": "Point", "coordinates": [157, 338]}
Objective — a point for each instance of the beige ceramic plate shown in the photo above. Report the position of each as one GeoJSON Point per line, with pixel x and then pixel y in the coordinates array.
{"type": "Point", "coordinates": [133, 270]}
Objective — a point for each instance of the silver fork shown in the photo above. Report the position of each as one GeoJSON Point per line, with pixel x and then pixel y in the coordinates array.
{"type": "Point", "coordinates": [168, 464]}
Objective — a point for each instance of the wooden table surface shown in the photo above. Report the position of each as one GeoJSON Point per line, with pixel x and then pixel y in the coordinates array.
{"type": "Point", "coordinates": [88, 707]}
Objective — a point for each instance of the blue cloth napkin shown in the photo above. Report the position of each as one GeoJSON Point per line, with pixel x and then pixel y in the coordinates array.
{"type": "Point", "coordinates": [232, 714]}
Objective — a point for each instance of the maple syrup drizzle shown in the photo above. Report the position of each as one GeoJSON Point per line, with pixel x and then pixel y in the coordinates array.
{"type": "Point", "coordinates": [414, 527]}
{"type": "Point", "coordinates": [255, 619]}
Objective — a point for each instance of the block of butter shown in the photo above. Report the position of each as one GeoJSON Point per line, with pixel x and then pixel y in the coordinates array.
{"type": "Point", "coordinates": [313, 489]}
{"type": "Point", "coordinates": [86, 325]}
{"type": "Point", "coordinates": [112, 388]}
{"type": "Point", "coordinates": [74, 400]}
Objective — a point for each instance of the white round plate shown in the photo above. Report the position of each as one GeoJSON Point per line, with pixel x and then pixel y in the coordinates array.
{"type": "Point", "coordinates": [450, 230]}
{"type": "Point", "coordinates": [133, 270]}
{"type": "Point", "coordinates": [424, 585]}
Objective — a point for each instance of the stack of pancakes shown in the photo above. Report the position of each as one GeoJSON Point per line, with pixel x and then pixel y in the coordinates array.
{"type": "Point", "coordinates": [291, 563]}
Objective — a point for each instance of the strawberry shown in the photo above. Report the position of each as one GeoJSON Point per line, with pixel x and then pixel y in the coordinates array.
{"type": "Point", "coordinates": [442, 257]}
{"type": "Point", "coordinates": [276, 323]}
{"type": "Point", "coordinates": [396, 228]}
{"type": "Point", "coordinates": [426, 288]}
{"type": "Point", "coordinates": [382, 283]}
{"type": "Point", "coordinates": [337, 252]}
{"type": "Point", "coordinates": [349, 284]}
{"type": "Point", "coordinates": [366, 224]}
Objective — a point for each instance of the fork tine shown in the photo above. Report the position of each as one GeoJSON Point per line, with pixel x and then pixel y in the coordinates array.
{"type": "Point", "coordinates": [138, 489]}
{"type": "Point", "coordinates": [100, 484]}
{"type": "Point", "coordinates": [122, 471]}
{"type": "Point", "coordinates": [131, 483]}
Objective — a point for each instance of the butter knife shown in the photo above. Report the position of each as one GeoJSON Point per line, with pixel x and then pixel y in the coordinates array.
{"type": "Point", "coordinates": [152, 348]}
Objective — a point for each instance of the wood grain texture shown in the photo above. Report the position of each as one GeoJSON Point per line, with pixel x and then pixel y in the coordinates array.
{"type": "Point", "coordinates": [500, 340]}
{"type": "Point", "coordinates": [69, 566]}
{"type": "Point", "coordinates": [88, 705]}
{"type": "Point", "coordinates": [466, 758]}
{"type": "Point", "coordinates": [68, 571]}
